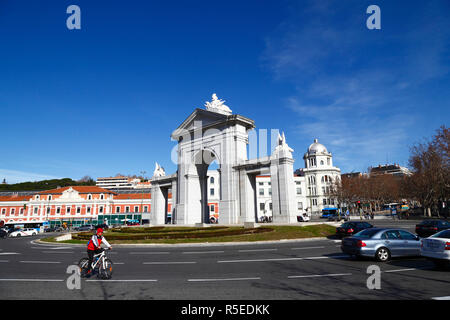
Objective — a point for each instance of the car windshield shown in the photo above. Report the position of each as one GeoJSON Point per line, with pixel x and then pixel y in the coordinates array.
{"type": "Point", "coordinates": [427, 223]}
{"type": "Point", "coordinates": [443, 234]}
{"type": "Point", "coordinates": [367, 233]}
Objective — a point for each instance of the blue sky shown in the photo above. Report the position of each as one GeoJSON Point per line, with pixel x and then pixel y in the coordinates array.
{"type": "Point", "coordinates": [105, 99]}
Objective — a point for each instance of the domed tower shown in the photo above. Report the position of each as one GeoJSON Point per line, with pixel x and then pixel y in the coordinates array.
{"type": "Point", "coordinates": [317, 156]}
{"type": "Point", "coordinates": [320, 175]}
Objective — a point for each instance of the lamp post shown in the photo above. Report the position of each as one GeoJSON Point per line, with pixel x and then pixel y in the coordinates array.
{"type": "Point", "coordinates": [142, 200]}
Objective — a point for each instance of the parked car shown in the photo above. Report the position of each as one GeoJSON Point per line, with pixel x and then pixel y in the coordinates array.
{"type": "Point", "coordinates": [437, 248]}
{"type": "Point", "coordinates": [86, 227]}
{"type": "Point", "coordinates": [382, 244]}
{"type": "Point", "coordinates": [104, 226]}
{"type": "Point", "coordinates": [132, 223]}
{"type": "Point", "coordinates": [429, 227]}
{"type": "Point", "coordinates": [50, 229]}
{"type": "Point", "coordinates": [303, 218]}
{"type": "Point", "coordinates": [352, 227]}
{"type": "Point", "coordinates": [3, 233]}
{"type": "Point", "coordinates": [338, 217]}
{"type": "Point", "coordinates": [23, 232]}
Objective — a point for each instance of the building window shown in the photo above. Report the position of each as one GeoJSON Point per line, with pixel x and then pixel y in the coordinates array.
{"type": "Point", "coordinates": [78, 210]}
{"type": "Point", "coordinates": [300, 205]}
{"type": "Point", "coordinates": [261, 192]}
{"type": "Point", "coordinates": [324, 201]}
{"type": "Point", "coordinates": [212, 208]}
{"type": "Point", "coordinates": [270, 206]}
{"type": "Point", "coordinates": [48, 210]}
{"type": "Point", "coordinates": [13, 211]}
{"type": "Point", "coordinates": [127, 209]}
{"type": "Point", "coordinates": [299, 190]}
{"type": "Point", "coordinates": [261, 183]}
{"type": "Point", "coordinates": [37, 197]}
{"type": "Point", "coordinates": [211, 180]}
{"type": "Point", "coordinates": [270, 191]}
{"type": "Point", "coordinates": [3, 212]}
{"type": "Point", "coordinates": [145, 209]}
{"type": "Point", "coordinates": [297, 182]}
{"type": "Point", "coordinates": [328, 161]}
{"type": "Point", "coordinates": [49, 198]}
{"type": "Point", "coordinates": [58, 210]}
{"type": "Point", "coordinates": [36, 210]}
{"type": "Point", "coordinates": [88, 209]}
{"type": "Point", "coordinates": [211, 191]}
{"type": "Point", "coordinates": [117, 209]}
{"type": "Point", "coordinates": [89, 197]}
{"type": "Point", "coordinates": [21, 211]}
{"type": "Point", "coordinates": [67, 210]}
{"type": "Point", "coordinates": [100, 210]}
{"type": "Point", "coordinates": [102, 196]}
{"type": "Point", "coordinates": [261, 206]}
{"type": "Point", "coordinates": [136, 209]}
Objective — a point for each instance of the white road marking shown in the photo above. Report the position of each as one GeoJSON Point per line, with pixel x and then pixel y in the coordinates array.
{"type": "Point", "coordinates": [278, 259]}
{"type": "Point", "coordinates": [400, 270]}
{"type": "Point", "coordinates": [150, 252]}
{"type": "Point", "coordinates": [114, 280]}
{"type": "Point", "coordinates": [257, 250]}
{"type": "Point", "coordinates": [304, 248]}
{"type": "Point", "coordinates": [4, 260]}
{"type": "Point", "coordinates": [321, 275]}
{"type": "Point", "coordinates": [44, 262]}
{"type": "Point", "coordinates": [441, 298]}
{"type": "Point", "coordinates": [5, 253]}
{"type": "Point", "coordinates": [171, 262]}
{"type": "Point", "coordinates": [58, 252]}
{"type": "Point", "coordinates": [33, 280]}
{"type": "Point", "coordinates": [228, 279]}
{"type": "Point", "coordinates": [200, 252]}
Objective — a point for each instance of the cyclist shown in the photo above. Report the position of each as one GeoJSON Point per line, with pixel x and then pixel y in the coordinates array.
{"type": "Point", "coordinates": [94, 246]}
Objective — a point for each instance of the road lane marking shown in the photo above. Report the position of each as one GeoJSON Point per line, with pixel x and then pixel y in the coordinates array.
{"type": "Point", "coordinates": [321, 275]}
{"type": "Point", "coordinates": [441, 298]}
{"type": "Point", "coordinates": [257, 250]}
{"type": "Point", "coordinates": [4, 260]}
{"type": "Point", "coordinates": [278, 259]}
{"type": "Point", "coordinates": [150, 252]}
{"type": "Point", "coordinates": [200, 252]}
{"type": "Point", "coordinates": [400, 270]}
{"type": "Point", "coordinates": [44, 262]}
{"type": "Point", "coordinates": [58, 252]}
{"type": "Point", "coordinates": [227, 279]}
{"type": "Point", "coordinates": [6, 253]}
{"type": "Point", "coordinates": [304, 248]}
{"type": "Point", "coordinates": [115, 280]}
{"type": "Point", "coordinates": [33, 280]}
{"type": "Point", "coordinates": [170, 262]}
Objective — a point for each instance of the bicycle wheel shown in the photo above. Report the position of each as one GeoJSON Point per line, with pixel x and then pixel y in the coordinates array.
{"type": "Point", "coordinates": [83, 265]}
{"type": "Point", "coordinates": [105, 271]}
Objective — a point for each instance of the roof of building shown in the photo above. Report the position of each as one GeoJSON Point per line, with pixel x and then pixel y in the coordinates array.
{"type": "Point", "coordinates": [317, 147]}
{"type": "Point", "coordinates": [80, 189]}
{"type": "Point", "coordinates": [126, 196]}
{"type": "Point", "coordinates": [15, 198]}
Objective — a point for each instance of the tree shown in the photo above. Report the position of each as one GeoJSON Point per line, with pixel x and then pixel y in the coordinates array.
{"type": "Point", "coordinates": [430, 181]}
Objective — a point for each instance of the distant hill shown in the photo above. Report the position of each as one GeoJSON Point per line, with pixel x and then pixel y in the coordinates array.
{"type": "Point", "coordinates": [46, 184]}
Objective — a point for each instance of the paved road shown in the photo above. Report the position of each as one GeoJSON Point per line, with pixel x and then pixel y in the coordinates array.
{"type": "Point", "coordinates": [315, 269]}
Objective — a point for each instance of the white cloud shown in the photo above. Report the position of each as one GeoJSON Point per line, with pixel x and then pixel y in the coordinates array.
{"type": "Point", "coordinates": [14, 176]}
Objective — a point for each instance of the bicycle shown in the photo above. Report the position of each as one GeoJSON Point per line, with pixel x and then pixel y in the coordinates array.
{"type": "Point", "coordinates": [101, 264]}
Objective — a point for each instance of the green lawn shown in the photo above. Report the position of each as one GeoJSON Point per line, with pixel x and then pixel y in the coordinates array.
{"type": "Point", "coordinates": [171, 235]}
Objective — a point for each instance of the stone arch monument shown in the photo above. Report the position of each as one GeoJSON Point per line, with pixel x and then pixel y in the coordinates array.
{"type": "Point", "coordinates": [215, 134]}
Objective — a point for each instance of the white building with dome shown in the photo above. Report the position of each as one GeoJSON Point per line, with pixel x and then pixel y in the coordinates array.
{"type": "Point", "coordinates": [319, 174]}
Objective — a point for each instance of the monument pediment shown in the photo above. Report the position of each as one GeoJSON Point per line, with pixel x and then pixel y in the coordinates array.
{"type": "Point", "coordinates": [70, 194]}
{"type": "Point", "coordinates": [199, 119]}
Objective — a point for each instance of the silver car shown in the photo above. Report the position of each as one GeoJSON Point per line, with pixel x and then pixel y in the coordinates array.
{"type": "Point", "coordinates": [382, 244]}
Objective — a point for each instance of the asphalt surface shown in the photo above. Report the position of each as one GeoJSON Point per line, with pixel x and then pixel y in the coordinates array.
{"type": "Point", "coordinates": [284, 270]}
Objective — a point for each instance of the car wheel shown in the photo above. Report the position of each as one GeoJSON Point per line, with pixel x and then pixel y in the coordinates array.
{"type": "Point", "coordinates": [383, 254]}
{"type": "Point", "coordinates": [34, 233]}
{"type": "Point", "coordinates": [18, 235]}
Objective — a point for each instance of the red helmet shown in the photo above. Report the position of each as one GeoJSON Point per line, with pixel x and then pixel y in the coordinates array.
{"type": "Point", "coordinates": [99, 230]}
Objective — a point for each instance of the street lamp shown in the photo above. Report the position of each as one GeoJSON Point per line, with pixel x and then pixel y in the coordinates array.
{"type": "Point", "coordinates": [142, 200]}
